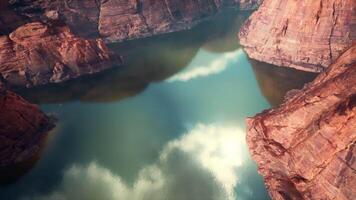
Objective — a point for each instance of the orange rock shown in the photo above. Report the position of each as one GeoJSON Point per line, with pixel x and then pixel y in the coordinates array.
{"type": "Point", "coordinates": [306, 148]}
{"type": "Point", "coordinates": [22, 128]}
{"type": "Point", "coordinates": [119, 20]}
{"type": "Point", "coordinates": [306, 35]}
{"type": "Point", "coordinates": [37, 54]}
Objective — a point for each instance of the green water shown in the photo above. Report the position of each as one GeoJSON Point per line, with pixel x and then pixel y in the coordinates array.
{"type": "Point", "coordinates": [169, 125]}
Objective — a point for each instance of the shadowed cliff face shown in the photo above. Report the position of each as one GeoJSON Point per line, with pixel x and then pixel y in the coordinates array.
{"type": "Point", "coordinates": [305, 148]}
{"type": "Point", "coordinates": [276, 81]}
{"type": "Point", "coordinates": [23, 129]}
{"type": "Point", "coordinates": [9, 19]}
{"type": "Point", "coordinates": [118, 20]}
{"type": "Point", "coordinates": [306, 35]}
{"type": "Point", "coordinates": [13, 172]}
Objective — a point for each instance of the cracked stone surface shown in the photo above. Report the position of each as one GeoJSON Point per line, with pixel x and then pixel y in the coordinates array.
{"type": "Point", "coordinates": [306, 148]}
{"type": "Point", "coordinates": [306, 35]}
{"type": "Point", "coordinates": [38, 54]}
{"type": "Point", "coordinates": [22, 128]}
{"type": "Point", "coordinates": [118, 20]}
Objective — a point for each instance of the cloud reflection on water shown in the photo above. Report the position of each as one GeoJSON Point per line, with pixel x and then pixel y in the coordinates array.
{"type": "Point", "coordinates": [216, 66]}
{"type": "Point", "coordinates": [202, 164]}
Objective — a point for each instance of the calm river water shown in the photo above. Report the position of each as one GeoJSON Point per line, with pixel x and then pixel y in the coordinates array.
{"type": "Point", "coordinates": [169, 125]}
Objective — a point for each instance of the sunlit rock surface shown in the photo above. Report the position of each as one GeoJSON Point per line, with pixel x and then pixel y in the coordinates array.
{"type": "Point", "coordinates": [307, 35]}
{"type": "Point", "coordinates": [38, 54]}
{"type": "Point", "coordinates": [305, 149]}
{"type": "Point", "coordinates": [22, 129]}
{"type": "Point", "coordinates": [118, 20]}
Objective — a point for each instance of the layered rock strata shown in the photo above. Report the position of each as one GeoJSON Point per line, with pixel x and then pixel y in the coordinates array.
{"type": "Point", "coordinates": [37, 54]}
{"type": "Point", "coordinates": [307, 35]}
{"type": "Point", "coordinates": [22, 129]}
{"type": "Point", "coordinates": [306, 148]}
{"type": "Point", "coordinates": [118, 20]}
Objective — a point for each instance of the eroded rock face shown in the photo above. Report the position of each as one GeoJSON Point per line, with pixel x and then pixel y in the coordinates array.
{"type": "Point", "coordinates": [81, 16]}
{"type": "Point", "coordinates": [37, 54]}
{"type": "Point", "coordinates": [22, 129]}
{"type": "Point", "coordinates": [307, 35]}
{"type": "Point", "coordinates": [118, 20]}
{"type": "Point", "coordinates": [306, 148]}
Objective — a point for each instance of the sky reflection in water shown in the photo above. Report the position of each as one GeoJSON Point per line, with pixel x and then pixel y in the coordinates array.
{"type": "Point", "coordinates": [182, 138]}
{"type": "Point", "coordinates": [187, 168]}
{"type": "Point", "coordinates": [153, 133]}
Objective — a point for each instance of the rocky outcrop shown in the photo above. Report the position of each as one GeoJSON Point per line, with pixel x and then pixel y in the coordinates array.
{"type": "Point", "coordinates": [118, 20]}
{"type": "Point", "coordinates": [22, 129]}
{"type": "Point", "coordinates": [37, 54]}
{"type": "Point", "coordinates": [306, 148]}
{"type": "Point", "coordinates": [307, 35]}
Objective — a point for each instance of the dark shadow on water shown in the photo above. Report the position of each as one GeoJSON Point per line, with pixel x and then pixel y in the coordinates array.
{"type": "Point", "coordinates": [145, 60]}
{"type": "Point", "coordinates": [276, 81]}
{"type": "Point", "coordinates": [10, 174]}
{"type": "Point", "coordinates": [108, 86]}
{"type": "Point", "coordinates": [224, 37]}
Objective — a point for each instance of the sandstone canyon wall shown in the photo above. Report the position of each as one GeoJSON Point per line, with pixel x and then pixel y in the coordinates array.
{"type": "Point", "coordinates": [306, 148]}
{"type": "Point", "coordinates": [303, 34]}
{"type": "Point", "coordinates": [44, 42]}
{"type": "Point", "coordinates": [22, 128]}
{"type": "Point", "coordinates": [37, 54]}
{"type": "Point", "coordinates": [118, 20]}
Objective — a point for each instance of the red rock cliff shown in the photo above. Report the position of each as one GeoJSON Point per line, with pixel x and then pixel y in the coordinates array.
{"type": "Point", "coordinates": [304, 34]}
{"type": "Point", "coordinates": [37, 54]}
{"type": "Point", "coordinates": [119, 20]}
{"type": "Point", "coordinates": [22, 127]}
{"type": "Point", "coordinates": [306, 148]}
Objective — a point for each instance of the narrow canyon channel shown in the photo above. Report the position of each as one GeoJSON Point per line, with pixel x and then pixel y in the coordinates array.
{"type": "Point", "coordinates": [169, 124]}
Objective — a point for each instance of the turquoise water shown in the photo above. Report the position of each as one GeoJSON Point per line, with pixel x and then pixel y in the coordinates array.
{"type": "Point", "coordinates": [169, 125]}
